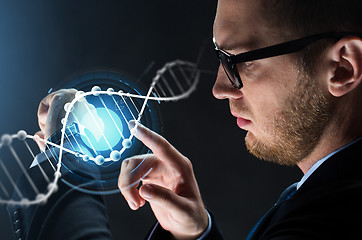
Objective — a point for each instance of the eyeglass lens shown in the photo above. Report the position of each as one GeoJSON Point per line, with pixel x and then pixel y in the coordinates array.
{"type": "Point", "coordinates": [228, 68]}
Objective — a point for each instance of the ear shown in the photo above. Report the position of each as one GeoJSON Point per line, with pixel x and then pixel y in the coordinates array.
{"type": "Point", "coordinates": [346, 73]}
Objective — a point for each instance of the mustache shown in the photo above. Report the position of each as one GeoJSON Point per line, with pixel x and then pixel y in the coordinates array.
{"type": "Point", "coordinates": [238, 107]}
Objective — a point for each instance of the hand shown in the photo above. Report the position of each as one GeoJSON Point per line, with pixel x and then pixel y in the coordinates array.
{"type": "Point", "coordinates": [169, 185]}
{"type": "Point", "coordinates": [50, 113]}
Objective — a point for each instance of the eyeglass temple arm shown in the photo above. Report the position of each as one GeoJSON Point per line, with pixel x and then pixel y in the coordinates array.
{"type": "Point", "coordinates": [287, 47]}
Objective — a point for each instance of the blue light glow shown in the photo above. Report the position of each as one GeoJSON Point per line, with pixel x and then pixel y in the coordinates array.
{"type": "Point", "coordinates": [101, 129]}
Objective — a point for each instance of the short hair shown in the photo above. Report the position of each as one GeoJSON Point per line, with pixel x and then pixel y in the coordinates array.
{"type": "Point", "coordinates": [298, 18]}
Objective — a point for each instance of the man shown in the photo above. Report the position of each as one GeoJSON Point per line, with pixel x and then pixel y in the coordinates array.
{"type": "Point", "coordinates": [301, 105]}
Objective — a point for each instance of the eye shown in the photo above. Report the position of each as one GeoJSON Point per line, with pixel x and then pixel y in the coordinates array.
{"type": "Point", "coordinates": [248, 65]}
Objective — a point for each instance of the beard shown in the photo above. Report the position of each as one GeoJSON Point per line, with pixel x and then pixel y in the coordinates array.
{"type": "Point", "coordinates": [297, 128]}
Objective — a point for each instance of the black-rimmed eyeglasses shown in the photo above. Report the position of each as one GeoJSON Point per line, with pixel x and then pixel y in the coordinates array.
{"type": "Point", "coordinates": [229, 61]}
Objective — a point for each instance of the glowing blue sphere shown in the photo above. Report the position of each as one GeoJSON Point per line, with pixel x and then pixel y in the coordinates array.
{"type": "Point", "coordinates": [127, 143]}
{"type": "Point", "coordinates": [6, 139]}
{"type": "Point", "coordinates": [99, 160]}
{"type": "Point", "coordinates": [78, 95]}
{"type": "Point", "coordinates": [22, 135]}
{"type": "Point", "coordinates": [115, 156]}
{"type": "Point", "coordinates": [95, 90]}
{"type": "Point", "coordinates": [110, 90]}
{"type": "Point", "coordinates": [85, 158]}
{"type": "Point", "coordinates": [102, 129]}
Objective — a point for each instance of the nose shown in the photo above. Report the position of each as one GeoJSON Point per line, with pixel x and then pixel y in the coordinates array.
{"type": "Point", "coordinates": [223, 88]}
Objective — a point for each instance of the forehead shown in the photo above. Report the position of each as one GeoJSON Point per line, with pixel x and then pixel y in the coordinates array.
{"type": "Point", "coordinates": [239, 24]}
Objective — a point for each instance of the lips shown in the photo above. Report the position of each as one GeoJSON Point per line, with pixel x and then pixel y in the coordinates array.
{"type": "Point", "coordinates": [243, 123]}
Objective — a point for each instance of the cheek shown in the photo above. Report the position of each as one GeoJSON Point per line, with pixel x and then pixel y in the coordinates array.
{"type": "Point", "coordinates": [263, 101]}
{"type": "Point", "coordinates": [266, 90]}
{"type": "Point", "coordinates": [266, 106]}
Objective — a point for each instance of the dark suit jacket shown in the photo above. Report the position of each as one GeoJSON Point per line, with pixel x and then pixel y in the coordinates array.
{"type": "Point", "coordinates": [68, 214]}
{"type": "Point", "coordinates": [327, 206]}
{"type": "Point", "coordinates": [158, 233]}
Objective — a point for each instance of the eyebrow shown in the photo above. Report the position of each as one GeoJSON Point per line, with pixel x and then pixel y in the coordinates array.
{"type": "Point", "coordinates": [230, 47]}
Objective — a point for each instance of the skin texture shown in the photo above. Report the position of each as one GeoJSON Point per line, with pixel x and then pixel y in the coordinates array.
{"type": "Point", "coordinates": [170, 187]}
{"type": "Point", "coordinates": [291, 117]}
{"type": "Point", "coordinates": [276, 95]}
{"type": "Point", "coordinates": [298, 119]}
{"type": "Point", "coordinates": [295, 130]}
{"type": "Point", "coordinates": [50, 113]}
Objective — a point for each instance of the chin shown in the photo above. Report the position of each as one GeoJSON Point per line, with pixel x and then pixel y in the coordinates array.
{"type": "Point", "coordinates": [252, 141]}
{"type": "Point", "coordinates": [253, 145]}
{"type": "Point", "coordinates": [271, 151]}
{"type": "Point", "coordinates": [250, 138]}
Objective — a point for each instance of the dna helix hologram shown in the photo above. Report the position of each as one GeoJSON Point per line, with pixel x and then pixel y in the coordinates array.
{"type": "Point", "coordinates": [174, 81]}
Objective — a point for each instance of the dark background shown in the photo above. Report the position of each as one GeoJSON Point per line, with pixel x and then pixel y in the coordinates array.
{"type": "Point", "coordinates": [42, 43]}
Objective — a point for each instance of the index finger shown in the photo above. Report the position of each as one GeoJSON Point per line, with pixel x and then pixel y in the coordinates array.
{"type": "Point", "coordinates": [158, 145]}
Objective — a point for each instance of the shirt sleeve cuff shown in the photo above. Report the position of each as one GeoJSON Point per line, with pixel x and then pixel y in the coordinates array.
{"type": "Point", "coordinates": [208, 228]}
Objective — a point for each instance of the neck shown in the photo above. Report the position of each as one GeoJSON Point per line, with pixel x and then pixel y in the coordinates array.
{"type": "Point", "coordinates": [323, 149]}
{"type": "Point", "coordinates": [341, 131]}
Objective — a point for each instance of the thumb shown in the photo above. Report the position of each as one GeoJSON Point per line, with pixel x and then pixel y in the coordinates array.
{"type": "Point", "coordinates": [38, 137]}
{"type": "Point", "coordinates": [164, 197]}
{"type": "Point", "coordinates": [184, 218]}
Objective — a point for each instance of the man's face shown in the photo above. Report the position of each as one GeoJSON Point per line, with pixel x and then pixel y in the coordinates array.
{"type": "Point", "coordinates": [281, 107]}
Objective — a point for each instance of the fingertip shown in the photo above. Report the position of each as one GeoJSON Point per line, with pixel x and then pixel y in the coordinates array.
{"type": "Point", "coordinates": [143, 202]}
{"type": "Point", "coordinates": [131, 124]}
{"type": "Point", "coordinates": [135, 127]}
{"type": "Point", "coordinates": [146, 191]}
{"type": "Point", "coordinates": [133, 205]}
{"type": "Point", "coordinates": [38, 136]}
{"type": "Point", "coordinates": [132, 196]}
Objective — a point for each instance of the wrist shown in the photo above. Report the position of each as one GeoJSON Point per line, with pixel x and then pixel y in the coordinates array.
{"type": "Point", "coordinates": [196, 234]}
